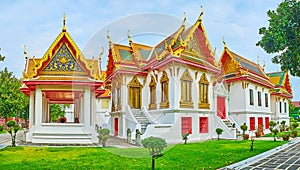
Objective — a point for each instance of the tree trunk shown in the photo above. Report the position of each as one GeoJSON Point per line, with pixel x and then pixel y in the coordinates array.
{"type": "Point", "coordinates": [153, 162]}
{"type": "Point", "coordinates": [185, 141]}
{"type": "Point", "coordinates": [218, 137]}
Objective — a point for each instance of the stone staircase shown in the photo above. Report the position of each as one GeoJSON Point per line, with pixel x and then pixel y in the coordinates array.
{"type": "Point", "coordinates": [230, 125]}
{"type": "Point", "coordinates": [62, 133]}
{"type": "Point", "coordinates": [141, 118]}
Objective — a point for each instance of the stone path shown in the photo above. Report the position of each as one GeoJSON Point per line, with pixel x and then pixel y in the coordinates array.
{"type": "Point", "coordinates": [285, 157]}
{"type": "Point", "coordinates": [288, 159]}
{"type": "Point", "coordinates": [5, 140]}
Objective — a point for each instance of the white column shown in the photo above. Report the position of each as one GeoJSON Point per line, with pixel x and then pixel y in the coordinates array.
{"type": "Point", "coordinates": [81, 110]}
{"type": "Point", "coordinates": [87, 108]}
{"type": "Point", "coordinates": [38, 107]}
{"type": "Point", "coordinates": [214, 104]}
{"type": "Point", "coordinates": [44, 114]}
{"type": "Point", "coordinates": [31, 109]}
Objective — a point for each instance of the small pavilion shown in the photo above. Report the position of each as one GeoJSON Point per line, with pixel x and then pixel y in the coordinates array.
{"type": "Point", "coordinates": [62, 76]}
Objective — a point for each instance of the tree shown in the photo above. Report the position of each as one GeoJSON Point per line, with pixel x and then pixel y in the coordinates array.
{"type": "Point", "coordinates": [185, 137]}
{"type": "Point", "coordinates": [273, 129]}
{"type": "Point", "coordinates": [13, 128]}
{"type": "Point", "coordinates": [294, 111]}
{"type": "Point", "coordinates": [1, 57]}
{"type": "Point", "coordinates": [155, 146]}
{"type": "Point", "coordinates": [219, 131]}
{"type": "Point", "coordinates": [282, 36]}
{"type": "Point", "coordinates": [56, 110]}
{"type": "Point", "coordinates": [244, 127]}
{"type": "Point", "coordinates": [12, 101]}
{"type": "Point", "coordinates": [103, 135]}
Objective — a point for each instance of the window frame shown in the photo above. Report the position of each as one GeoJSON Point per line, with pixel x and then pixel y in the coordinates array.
{"type": "Point", "coordinates": [203, 87]}
{"type": "Point", "coordinates": [259, 98]}
{"type": "Point", "coordinates": [203, 128]}
{"type": "Point", "coordinates": [164, 87]}
{"type": "Point", "coordinates": [266, 100]}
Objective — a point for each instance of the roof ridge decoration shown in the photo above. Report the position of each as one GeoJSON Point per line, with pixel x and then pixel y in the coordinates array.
{"type": "Point", "coordinates": [111, 46]}
{"type": "Point", "coordinates": [178, 32]}
{"type": "Point", "coordinates": [63, 37]}
{"type": "Point", "coordinates": [172, 42]}
{"type": "Point", "coordinates": [138, 59]}
{"type": "Point", "coordinates": [226, 50]}
{"type": "Point", "coordinates": [64, 28]}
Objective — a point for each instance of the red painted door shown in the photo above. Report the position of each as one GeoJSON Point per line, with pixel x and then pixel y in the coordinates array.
{"type": "Point", "coordinates": [221, 107]}
{"type": "Point", "coordinates": [116, 126]}
{"type": "Point", "coordinates": [186, 125]}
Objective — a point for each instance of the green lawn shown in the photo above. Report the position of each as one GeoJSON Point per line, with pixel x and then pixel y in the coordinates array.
{"type": "Point", "coordinates": [208, 155]}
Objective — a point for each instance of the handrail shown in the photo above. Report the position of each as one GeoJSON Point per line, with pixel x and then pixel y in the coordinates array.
{"type": "Point", "coordinates": [145, 111]}
{"type": "Point", "coordinates": [220, 122]}
{"type": "Point", "coordinates": [237, 125]}
{"type": "Point", "coordinates": [128, 110]}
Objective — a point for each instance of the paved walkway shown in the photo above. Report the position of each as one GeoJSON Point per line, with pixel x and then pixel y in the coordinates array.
{"type": "Point", "coordinates": [288, 159]}
{"type": "Point", "coordinates": [5, 140]}
{"type": "Point", "coordinates": [285, 157]}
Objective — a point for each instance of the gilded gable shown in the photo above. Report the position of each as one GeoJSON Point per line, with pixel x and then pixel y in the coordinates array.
{"type": "Point", "coordinates": [63, 60]}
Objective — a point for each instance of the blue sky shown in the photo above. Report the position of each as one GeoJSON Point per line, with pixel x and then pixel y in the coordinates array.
{"type": "Point", "coordinates": [36, 24]}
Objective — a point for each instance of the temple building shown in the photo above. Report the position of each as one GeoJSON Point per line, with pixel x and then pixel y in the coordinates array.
{"type": "Point", "coordinates": [62, 76]}
{"type": "Point", "coordinates": [249, 91]}
{"type": "Point", "coordinates": [166, 90]}
{"type": "Point", "coordinates": [280, 96]}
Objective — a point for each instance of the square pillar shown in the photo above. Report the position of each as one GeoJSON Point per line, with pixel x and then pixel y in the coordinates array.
{"type": "Point", "coordinates": [31, 109]}
{"type": "Point", "coordinates": [38, 107]}
{"type": "Point", "coordinates": [87, 108]}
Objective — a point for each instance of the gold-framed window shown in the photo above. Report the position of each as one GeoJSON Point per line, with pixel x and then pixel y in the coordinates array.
{"type": "Point", "coordinates": [203, 92]}
{"type": "Point", "coordinates": [152, 87]}
{"type": "Point", "coordinates": [164, 85]}
{"type": "Point", "coordinates": [186, 90]}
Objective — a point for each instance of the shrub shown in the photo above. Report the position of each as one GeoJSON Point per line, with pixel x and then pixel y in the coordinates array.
{"type": "Point", "coordinates": [295, 125]}
{"type": "Point", "coordinates": [285, 136]}
{"type": "Point", "coordinates": [103, 135]}
{"type": "Point", "coordinates": [295, 133]}
{"type": "Point", "coordinates": [13, 128]}
{"type": "Point", "coordinates": [244, 127]}
{"type": "Point", "coordinates": [274, 131]}
{"type": "Point", "coordinates": [185, 137]}
{"type": "Point", "coordinates": [1, 128]}
{"type": "Point", "coordinates": [155, 146]}
{"type": "Point", "coordinates": [219, 131]}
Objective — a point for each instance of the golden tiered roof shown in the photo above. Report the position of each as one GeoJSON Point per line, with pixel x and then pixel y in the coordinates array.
{"type": "Point", "coordinates": [62, 60]}
{"type": "Point", "coordinates": [282, 83]}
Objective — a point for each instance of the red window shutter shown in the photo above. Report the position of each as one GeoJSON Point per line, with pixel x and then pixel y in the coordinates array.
{"type": "Point", "coordinates": [203, 124]}
{"type": "Point", "coordinates": [186, 125]}
{"type": "Point", "coordinates": [252, 123]}
{"type": "Point", "coordinates": [260, 121]}
{"type": "Point", "coordinates": [267, 120]}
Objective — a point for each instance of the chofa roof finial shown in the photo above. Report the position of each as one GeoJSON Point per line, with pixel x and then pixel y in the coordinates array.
{"type": "Point", "coordinates": [64, 23]}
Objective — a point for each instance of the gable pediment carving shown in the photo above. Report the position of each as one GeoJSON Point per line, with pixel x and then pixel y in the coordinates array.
{"type": "Point", "coordinates": [63, 60]}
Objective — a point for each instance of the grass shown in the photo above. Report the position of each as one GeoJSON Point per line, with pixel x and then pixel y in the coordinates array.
{"type": "Point", "coordinates": [208, 155]}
